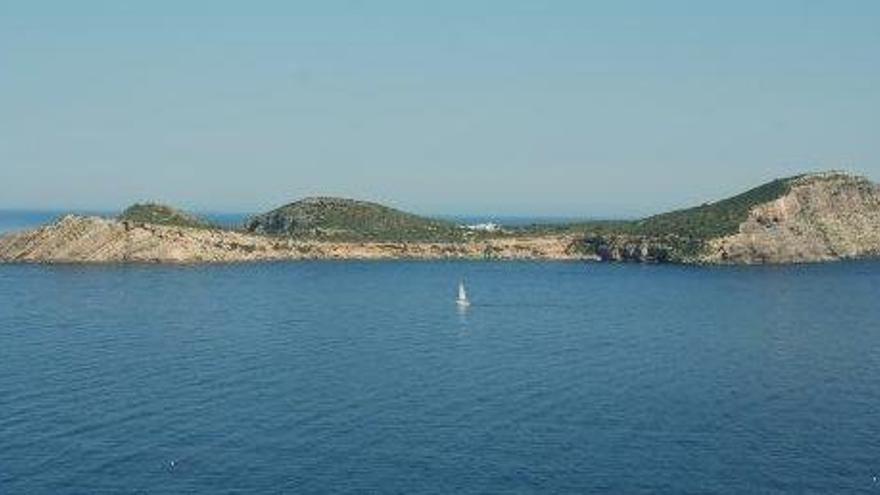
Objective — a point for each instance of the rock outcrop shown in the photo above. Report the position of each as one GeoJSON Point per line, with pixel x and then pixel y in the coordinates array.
{"type": "Point", "coordinates": [630, 248]}
{"type": "Point", "coordinates": [808, 218]}
{"type": "Point", "coordinates": [823, 217]}
{"type": "Point", "coordinates": [159, 214]}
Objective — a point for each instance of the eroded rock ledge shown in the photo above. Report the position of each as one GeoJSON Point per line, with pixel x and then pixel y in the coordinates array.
{"type": "Point", "coordinates": [824, 217]}
{"type": "Point", "coordinates": [77, 239]}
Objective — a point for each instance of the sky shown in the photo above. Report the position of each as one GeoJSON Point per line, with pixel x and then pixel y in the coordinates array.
{"type": "Point", "coordinates": [568, 108]}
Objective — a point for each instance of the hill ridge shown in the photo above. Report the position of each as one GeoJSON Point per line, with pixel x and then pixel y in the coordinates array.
{"type": "Point", "coordinates": [819, 216]}
{"type": "Point", "coordinates": [162, 214]}
{"type": "Point", "coordinates": [349, 219]}
{"type": "Point", "coordinates": [760, 225]}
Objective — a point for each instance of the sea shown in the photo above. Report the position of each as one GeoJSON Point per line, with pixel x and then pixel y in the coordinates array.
{"type": "Point", "coordinates": [19, 220]}
{"type": "Point", "coordinates": [366, 377]}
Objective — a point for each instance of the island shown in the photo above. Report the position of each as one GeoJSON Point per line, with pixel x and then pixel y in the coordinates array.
{"type": "Point", "coordinates": [806, 218]}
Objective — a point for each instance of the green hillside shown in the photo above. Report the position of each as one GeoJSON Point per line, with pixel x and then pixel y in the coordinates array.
{"type": "Point", "coordinates": [348, 219]}
{"type": "Point", "coordinates": [681, 234]}
{"type": "Point", "coordinates": [713, 219]}
{"type": "Point", "coordinates": [706, 221]}
{"type": "Point", "coordinates": [162, 215]}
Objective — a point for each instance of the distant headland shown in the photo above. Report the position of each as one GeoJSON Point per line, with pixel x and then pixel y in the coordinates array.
{"type": "Point", "coordinates": [806, 218]}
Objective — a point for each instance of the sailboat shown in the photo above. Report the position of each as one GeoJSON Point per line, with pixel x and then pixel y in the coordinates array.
{"type": "Point", "coordinates": [462, 300]}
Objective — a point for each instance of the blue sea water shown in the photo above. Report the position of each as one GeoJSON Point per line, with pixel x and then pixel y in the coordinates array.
{"type": "Point", "coordinates": [355, 377]}
{"type": "Point", "coordinates": [18, 220]}
{"type": "Point", "coordinates": [15, 220]}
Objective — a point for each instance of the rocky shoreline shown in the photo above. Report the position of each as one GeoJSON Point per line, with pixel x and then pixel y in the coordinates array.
{"type": "Point", "coordinates": [804, 219]}
{"type": "Point", "coordinates": [821, 217]}
{"type": "Point", "coordinates": [77, 239]}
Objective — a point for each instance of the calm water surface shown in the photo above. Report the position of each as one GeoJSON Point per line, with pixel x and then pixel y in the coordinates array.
{"type": "Point", "coordinates": [361, 377]}
{"type": "Point", "coordinates": [19, 220]}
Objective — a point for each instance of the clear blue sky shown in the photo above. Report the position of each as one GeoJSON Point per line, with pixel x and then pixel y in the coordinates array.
{"type": "Point", "coordinates": [509, 107]}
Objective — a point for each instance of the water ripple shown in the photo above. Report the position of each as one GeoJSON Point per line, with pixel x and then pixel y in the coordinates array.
{"type": "Point", "coordinates": [362, 377]}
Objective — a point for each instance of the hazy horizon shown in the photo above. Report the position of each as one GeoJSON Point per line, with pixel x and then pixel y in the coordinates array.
{"type": "Point", "coordinates": [473, 215]}
{"type": "Point", "coordinates": [49, 213]}
{"type": "Point", "coordinates": [575, 109]}
{"type": "Point", "coordinates": [470, 216]}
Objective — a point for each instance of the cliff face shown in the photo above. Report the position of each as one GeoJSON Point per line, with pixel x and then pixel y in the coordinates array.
{"type": "Point", "coordinates": [808, 218]}
{"type": "Point", "coordinates": [75, 239]}
{"type": "Point", "coordinates": [822, 217]}
{"type": "Point", "coordinates": [630, 248]}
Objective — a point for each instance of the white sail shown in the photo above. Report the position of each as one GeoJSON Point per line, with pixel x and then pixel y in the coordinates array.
{"type": "Point", "coordinates": [462, 295]}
